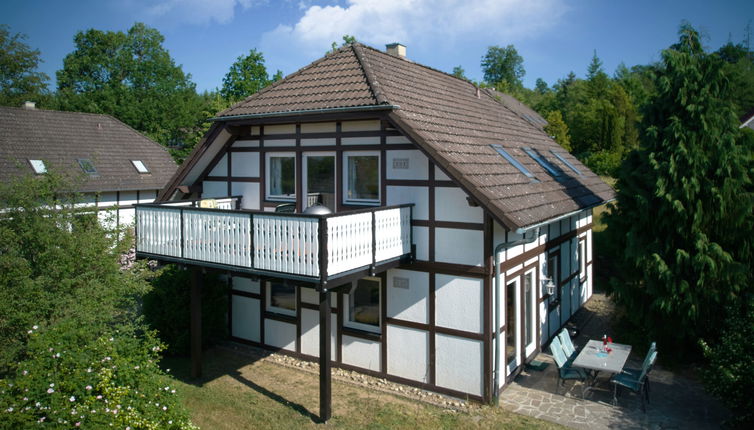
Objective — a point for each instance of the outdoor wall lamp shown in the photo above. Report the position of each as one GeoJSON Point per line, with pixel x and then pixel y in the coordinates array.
{"type": "Point", "coordinates": [548, 287]}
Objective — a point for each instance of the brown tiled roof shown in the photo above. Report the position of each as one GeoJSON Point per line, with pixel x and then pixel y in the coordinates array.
{"type": "Point", "coordinates": [61, 138]}
{"type": "Point", "coordinates": [451, 120]}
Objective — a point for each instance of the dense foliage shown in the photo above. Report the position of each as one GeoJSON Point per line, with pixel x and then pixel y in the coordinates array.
{"type": "Point", "coordinates": [503, 68]}
{"type": "Point", "coordinates": [133, 78]}
{"type": "Point", "coordinates": [19, 79]}
{"type": "Point", "coordinates": [247, 75]}
{"type": "Point", "coordinates": [683, 214]}
{"type": "Point", "coordinates": [73, 349]}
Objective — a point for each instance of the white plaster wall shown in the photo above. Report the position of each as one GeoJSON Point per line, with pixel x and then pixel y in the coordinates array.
{"type": "Point", "coordinates": [459, 364]}
{"type": "Point", "coordinates": [245, 284]}
{"type": "Point", "coordinates": [318, 142]}
{"type": "Point", "coordinates": [368, 125]}
{"type": "Point", "coordinates": [128, 198]}
{"type": "Point", "coordinates": [279, 142]}
{"type": "Point", "coordinates": [361, 353]}
{"type": "Point", "coordinates": [554, 317]}
{"type": "Point", "coordinates": [126, 216]}
{"type": "Point", "coordinates": [212, 189]}
{"type": "Point", "coordinates": [245, 144]}
{"type": "Point", "coordinates": [565, 303]}
{"type": "Point", "coordinates": [421, 240]}
{"type": "Point", "coordinates": [459, 246]}
{"type": "Point", "coordinates": [280, 129]}
{"type": "Point", "coordinates": [147, 196]}
{"type": "Point", "coordinates": [245, 314]}
{"type": "Point", "coordinates": [221, 168]}
{"type": "Point", "coordinates": [440, 175]}
{"type": "Point", "coordinates": [451, 205]}
{"type": "Point", "coordinates": [410, 304]}
{"type": "Point", "coordinates": [245, 164]}
{"type": "Point", "coordinates": [371, 140]}
{"type": "Point", "coordinates": [397, 140]}
{"type": "Point", "coordinates": [318, 127]}
{"type": "Point", "coordinates": [458, 303]}
{"type": "Point", "coordinates": [418, 195]}
{"type": "Point", "coordinates": [107, 199]}
{"type": "Point", "coordinates": [280, 334]}
{"type": "Point", "coordinates": [311, 296]}
{"type": "Point", "coordinates": [417, 165]}
{"type": "Point", "coordinates": [408, 353]}
{"type": "Point", "coordinates": [249, 191]}
{"type": "Point", "coordinates": [310, 333]}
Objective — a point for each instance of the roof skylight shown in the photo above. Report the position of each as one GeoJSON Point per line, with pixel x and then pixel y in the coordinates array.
{"type": "Point", "coordinates": [542, 161]}
{"type": "Point", "coordinates": [38, 166]}
{"type": "Point", "coordinates": [140, 166]}
{"type": "Point", "coordinates": [513, 161]}
{"type": "Point", "coordinates": [87, 166]}
{"type": "Point", "coordinates": [566, 162]}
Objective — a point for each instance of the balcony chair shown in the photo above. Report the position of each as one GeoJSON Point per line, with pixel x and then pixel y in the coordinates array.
{"type": "Point", "coordinates": [288, 208]}
{"type": "Point", "coordinates": [565, 371]}
{"type": "Point", "coordinates": [636, 384]}
{"type": "Point", "coordinates": [636, 372]}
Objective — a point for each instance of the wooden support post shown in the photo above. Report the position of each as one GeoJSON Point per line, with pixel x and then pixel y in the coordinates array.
{"type": "Point", "coordinates": [196, 321]}
{"type": "Point", "coordinates": [325, 383]}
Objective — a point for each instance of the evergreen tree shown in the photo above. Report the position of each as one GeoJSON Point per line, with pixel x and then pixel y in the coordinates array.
{"type": "Point", "coordinates": [557, 129]}
{"type": "Point", "coordinates": [683, 214]}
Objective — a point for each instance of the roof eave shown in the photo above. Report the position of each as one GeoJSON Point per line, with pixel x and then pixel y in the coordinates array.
{"type": "Point", "coordinates": [367, 108]}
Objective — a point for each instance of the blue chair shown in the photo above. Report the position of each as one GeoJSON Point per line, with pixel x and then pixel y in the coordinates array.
{"type": "Point", "coordinates": [568, 348]}
{"type": "Point", "coordinates": [636, 384]}
{"type": "Point", "coordinates": [565, 371]}
{"type": "Point", "coordinates": [636, 372]}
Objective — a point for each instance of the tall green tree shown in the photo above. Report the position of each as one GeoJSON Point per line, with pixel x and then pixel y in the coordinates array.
{"type": "Point", "coordinates": [739, 67]}
{"type": "Point", "coordinates": [558, 129]}
{"type": "Point", "coordinates": [247, 75]}
{"type": "Point", "coordinates": [19, 78]}
{"type": "Point", "coordinates": [132, 77]}
{"type": "Point", "coordinates": [503, 66]}
{"type": "Point", "coordinates": [459, 73]}
{"type": "Point", "coordinates": [683, 214]}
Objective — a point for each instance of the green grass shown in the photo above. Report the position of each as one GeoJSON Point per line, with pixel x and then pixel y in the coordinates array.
{"type": "Point", "coordinates": [242, 392]}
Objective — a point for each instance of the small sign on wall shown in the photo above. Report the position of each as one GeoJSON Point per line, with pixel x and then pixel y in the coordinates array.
{"type": "Point", "coordinates": [399, 282]}
{"type": "Point", "coordinates": [400, 163]}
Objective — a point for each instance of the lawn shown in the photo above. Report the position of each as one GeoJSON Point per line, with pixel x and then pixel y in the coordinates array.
{"type": "Point", "coordinates": [238, 391]}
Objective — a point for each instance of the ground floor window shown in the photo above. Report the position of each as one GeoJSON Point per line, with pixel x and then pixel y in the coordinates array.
{"type": "Point", "coordinates": [281, 297]}
{"type": "Point", "coordinates": [363, 311]}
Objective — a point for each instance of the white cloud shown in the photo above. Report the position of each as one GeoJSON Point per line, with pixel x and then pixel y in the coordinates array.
{"type": "Point", "coordinates": [417, 22]}
{"type": "Point", "coordinates": [198, 11]}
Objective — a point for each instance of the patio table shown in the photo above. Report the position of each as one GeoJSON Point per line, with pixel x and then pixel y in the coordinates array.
{"type": "Point", "coordinates": [592, 358]}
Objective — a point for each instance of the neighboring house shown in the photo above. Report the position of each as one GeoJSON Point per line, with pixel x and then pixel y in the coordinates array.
{"type": "Point", "coordinates": [442, 196]}
{"type": "Point", "coordinates": [748, 120]}
{"type": "Point", "coordinates": [112, 165]}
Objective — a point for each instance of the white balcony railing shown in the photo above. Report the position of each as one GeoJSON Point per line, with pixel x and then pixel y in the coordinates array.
{"type": "Point", "coordinates": [312, 246]}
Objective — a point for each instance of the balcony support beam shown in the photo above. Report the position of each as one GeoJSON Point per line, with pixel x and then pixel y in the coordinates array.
{"type": "Point", "coordinates": [196, 321]}
{"type": "Point", "coordinates": [325, 379]}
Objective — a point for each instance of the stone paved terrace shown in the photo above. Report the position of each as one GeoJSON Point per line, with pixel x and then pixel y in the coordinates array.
{"type": "Point", "coordinates": [676, 402]}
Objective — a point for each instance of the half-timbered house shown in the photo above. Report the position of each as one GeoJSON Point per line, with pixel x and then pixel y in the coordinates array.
{"type": "Point", "coordinates": [388, 218]}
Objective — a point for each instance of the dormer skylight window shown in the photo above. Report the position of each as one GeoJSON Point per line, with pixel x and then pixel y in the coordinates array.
{"type": "Point", "coordinates": [513, 161]}
{"type": "Point", "coordinates": [38, 166]}
{"type": "Point", "coordinates": [566, 162]}
{"type": "Point", "coordinates": [87, 166]}
{"type": "Point", "coordinates": [542, 161]}
{"type": "Point", "coordinates": [140, 166]}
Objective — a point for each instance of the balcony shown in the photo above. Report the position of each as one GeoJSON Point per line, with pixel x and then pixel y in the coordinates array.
{"type": "Point", "coordinates": [310, 248]}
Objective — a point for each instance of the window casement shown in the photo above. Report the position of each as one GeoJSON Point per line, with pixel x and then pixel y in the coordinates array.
{"type": "Point", "coordinates": [566, 162]}
{"type": "Point", "coordinates": [515, 163]}
{"type": "Point", "coordinates": [281, 297]}
{"type": "Point", "coordinates": [280, 177]}
{"type": "Point", "coordinates": [542, 161]}
{"type": "Point", "coordinates": [87, 166]}
{"type": "Point", "coordinates": [363, 305]}
{"type": "Point", "coordinates": [582, 259]}
{"type": "Point", "coordinates": [140, 166]}
{"type": "Point", "coordinates": [38, 166]}
{"type": "Point", "coordinates": [361, 171]}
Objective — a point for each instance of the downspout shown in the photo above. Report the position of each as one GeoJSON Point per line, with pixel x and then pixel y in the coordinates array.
{"type": "Point", "coordinates": [496, 371]}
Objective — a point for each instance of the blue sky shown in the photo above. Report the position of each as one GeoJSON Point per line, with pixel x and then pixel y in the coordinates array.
{"type": "Point", "coordinates": [553, 36]}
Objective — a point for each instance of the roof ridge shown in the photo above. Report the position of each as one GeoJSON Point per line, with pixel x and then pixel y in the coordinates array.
{"type": "Point", "coordinates": [372, 82]}
{"type": "Point", "coordinates": [281, 81]}
{"type": "Point", "coordinates": [71, 112]}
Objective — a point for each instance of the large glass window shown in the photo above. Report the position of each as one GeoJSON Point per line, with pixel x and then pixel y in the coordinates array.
{"type": "Point", "coordinates": [582, 259]}
{"type": "Point", "coordinates": [529, 304]}
{"type": "Point", "coordinates": [362, 174]}
{"type": "Point", "coordinates": [364, 305]}
{"type": "Point", "coordinates": [281, 176]}
{"type": "Point", "coordinates": [553, 272]}
{"type": "Point", "coordinates": [281, 297]}
{"type": "Point", "coordinates": [510, 321]}
{"type": "Point", "coordinates": [320, 180]}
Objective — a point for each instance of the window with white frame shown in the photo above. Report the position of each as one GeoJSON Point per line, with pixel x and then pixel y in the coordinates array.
{"type": "Point", "coordinates": [281, 176]}
{"type": "Point", "coordinates": [38, 166]}
{"type": "Point", "coordinates": [363, 305]}
{"type": "Point", "coordinates": [281, 297]}
{"type": "Point", "coordinates": [582, 259]}
{"type": "Point", "coordinates": [362, 177]}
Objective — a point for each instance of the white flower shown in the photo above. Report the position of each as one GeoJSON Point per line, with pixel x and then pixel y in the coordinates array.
{"type": "Point", "coordinates": [89, 370]}
{"type": "Point", "coordinates": [25, 372]}
{"type": "Point", "coordinates": [72, 399]}
{"type": "Point", "coordinates": [10, 409]}
{"type": "Point", "coordinates": [30, 332]}
{"type": "Point", "coordinates": [172, 391]}
{"type": "Point", "coordinates": [88, 387]}
{"type": "Point", "coordinates": [52, 385]}
{"type": "Point", "coordinates": [35, 327]}
{"type": "Point", "coordinates": [136, 367]}
{"type": "Point", "coordinates": [164, 408]}
{"type": "Point", "coordinates": [99, 396]}
{"type": "Point", "coordinates": [50, 391]}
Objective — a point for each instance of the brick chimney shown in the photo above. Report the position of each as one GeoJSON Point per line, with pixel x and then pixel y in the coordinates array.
{"type": "Point", "coordinates": [396, 49]}
{"type": "Point", "coordinates": [29, 105]}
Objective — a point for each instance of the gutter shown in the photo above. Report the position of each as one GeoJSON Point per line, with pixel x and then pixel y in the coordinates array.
{"type": "Point", "coordinates": [368, 108]}
{"type": "Point", "coordinates": [523, 230]}
{"type": "Point", "coordinates": [496, 371]}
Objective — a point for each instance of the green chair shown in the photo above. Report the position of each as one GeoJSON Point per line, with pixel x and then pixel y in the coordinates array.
{"type": "Point", "coordinates": [636, 372]}
{"type": "Point", "coordinates": [636, 384]}
{"type": "Point", "coordinates": [568, 348]}
{"type": "Point", "coordinates": [565, 371]}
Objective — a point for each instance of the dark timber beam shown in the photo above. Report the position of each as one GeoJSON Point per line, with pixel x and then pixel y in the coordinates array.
{"type": "Point", "coordinates": [196, 321]}
{"type": "Point", "coordinates": [325, 383]}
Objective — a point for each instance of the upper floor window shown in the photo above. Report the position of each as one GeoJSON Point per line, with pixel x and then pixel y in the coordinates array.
{"type": "Point", "coordinates": [566, 162]}
{"type": "Point", "coordinates": [515, 163]}
{"type": "Point", "coordinates": [281, 176]}
{"type": "Point", "coordinates": [542, 161]}
{"type": "Point", "coordinates": [140, 166]}
{"type": "Point", "coordinates": [281, 297]}
{"type": "Point", "coordinates": [363, 310]}
{"type": "Point", "coordinates": [38, 166]}
{"type": "Point", "coordinates": [362, 174]}
{"type": "Point", "coordinates": [87, 166]}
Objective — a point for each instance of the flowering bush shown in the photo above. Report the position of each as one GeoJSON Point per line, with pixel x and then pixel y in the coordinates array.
{"type": "Point", "coordinates": [112, 379]}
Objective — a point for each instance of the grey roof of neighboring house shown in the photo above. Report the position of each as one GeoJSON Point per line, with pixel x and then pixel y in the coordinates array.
{"type": "Point", "coordinates": [61, 138]}
{"type": "Point", "coordinates": [452, 120]}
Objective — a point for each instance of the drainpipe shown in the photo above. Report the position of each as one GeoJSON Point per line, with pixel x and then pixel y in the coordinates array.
{"type": "Point", "coordinates": [498, 288]}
